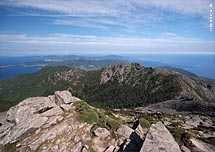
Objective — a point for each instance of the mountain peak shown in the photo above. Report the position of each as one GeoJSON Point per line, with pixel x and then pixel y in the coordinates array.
{"type": "Point", "coordinates": [119, 72]}
{"type": "Point", "coordinates": [126, 85]}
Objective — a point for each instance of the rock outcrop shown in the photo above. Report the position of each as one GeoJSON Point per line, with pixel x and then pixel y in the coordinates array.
{"type": "Point", "coordinates": [64, 97]}
{"type": "Point", "coordinates": [120, 72]}
{"type": "Point", "coordinates": [201, 146]}
{"type": "Point", "coordinates": [159, 139]}
{"type": "Point", "coordinates": [193, 121]}
{"type": "Point", "coordinates": [42, 116]}
{"type": "Point", "coordinates": [102, 132]}
{"type": "Point", "coordinates": [53, 124]}
{"type": "Point", "coordinates": [179, 106]}
{"type": "Point", "coordinates": [131, 139]}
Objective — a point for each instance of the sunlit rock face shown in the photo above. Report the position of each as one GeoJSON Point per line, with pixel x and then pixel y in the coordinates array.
{"type": "Point", "coordinates": [54, 124]}
{"type": "Point", "coordinates": [159, 139]}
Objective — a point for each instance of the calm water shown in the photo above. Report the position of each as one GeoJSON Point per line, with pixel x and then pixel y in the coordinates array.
{"type": "Point", "coordinates": [12, 71]}
{"type": "Point", "coordinates": [202, 65]}
{"type": "Point", "coordinates": [16, 60]}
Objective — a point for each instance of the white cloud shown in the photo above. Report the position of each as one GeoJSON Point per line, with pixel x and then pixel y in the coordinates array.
{"type": "Point", "coordinates": [111, 7]}
{"type": "Point", "coordinates": [199, 7]}
{"type": "Point", "coordinates": [137, 16]}
{"type": "Point", "coordinates": [172, 41]}
{"type": "Point", "coordinates": [79, 23]}
{"type": "Point", "coordinates": [96, 23]}
{"type": "Point", "coordinates": [129, 15]}
{"type": "Point", "coordinates": [74, 7]}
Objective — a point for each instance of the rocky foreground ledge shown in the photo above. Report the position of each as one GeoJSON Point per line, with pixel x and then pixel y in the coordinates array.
{"type": "Point", "coordinates": [64, 123]}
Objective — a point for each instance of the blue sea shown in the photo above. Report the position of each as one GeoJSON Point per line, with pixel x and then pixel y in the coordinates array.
{"type": "Point", "coordinates": [12, 66]}
{"type": "Point", "coordinates": [201, 65]}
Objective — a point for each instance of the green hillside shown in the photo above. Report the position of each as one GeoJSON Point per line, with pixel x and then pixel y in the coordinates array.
{"type": "Point", "coordinates": [122, 86]}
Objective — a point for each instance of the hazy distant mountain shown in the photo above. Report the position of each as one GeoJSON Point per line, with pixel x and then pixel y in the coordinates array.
{"type": "Point", "coordinates": [82, 63]}
{"type": "Point", "coordinates": [111, 57]}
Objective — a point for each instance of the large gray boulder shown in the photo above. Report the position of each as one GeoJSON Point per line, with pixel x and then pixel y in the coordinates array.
{"type": "Point", "coordinates": [45, 124]}
{"type": "Point", "coordinates": [124, 132]}
{"type": "Point", "coordinates": [159, 139]}
{"type": "Point", "coordinates": [28, 115]}
{"type": "Point", "coordinates": [140, 131]}
{"type": "Point", "coordinates": [64, 97]}
{"type": "Point", "coordinates": [101, 132]}
{"type": "Point", "coordinates": [29, 107]}
{"type": "Point", "coordinates": [201, 146]}
{"type": "Point", "coordinates": [131, 138]}
{"type": "Point", "coordinates": [33, 113]}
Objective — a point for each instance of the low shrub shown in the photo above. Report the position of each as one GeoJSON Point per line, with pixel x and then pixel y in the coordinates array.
{"type": "Point", "coordinates": [181, 137]}
{"type": "Point", "coordinates": [88, 114]}
{"type": "Point", "coordinates": [113, 124]}
{"type": "Point", "coordinates": [144, 123]}
{"type": "Point", "coordinates": [210, 140]}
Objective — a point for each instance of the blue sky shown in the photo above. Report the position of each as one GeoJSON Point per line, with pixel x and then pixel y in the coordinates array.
{"type": "Point", "coordinates": [34, 27]}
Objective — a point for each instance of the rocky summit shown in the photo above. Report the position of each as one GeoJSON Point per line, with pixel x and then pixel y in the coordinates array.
{"type": "Point", "coordinates": [126, 85]}
{"type": "Point", "coordinates": [64, 123]}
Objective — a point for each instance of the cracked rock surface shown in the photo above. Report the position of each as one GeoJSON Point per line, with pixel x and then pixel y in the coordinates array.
{"type": "Point", "coordinates": [52, 124]}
